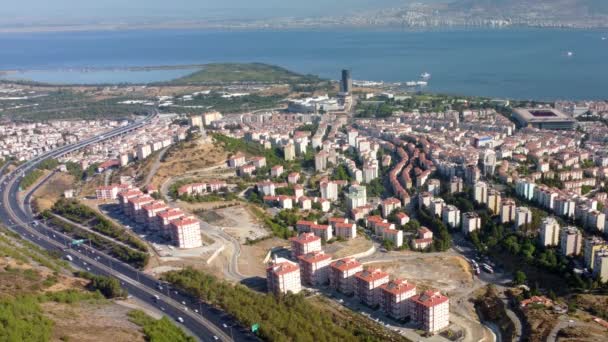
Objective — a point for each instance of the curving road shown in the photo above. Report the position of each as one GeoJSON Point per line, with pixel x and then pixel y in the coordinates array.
{"type": "Point", "coordinates": [205, 322]}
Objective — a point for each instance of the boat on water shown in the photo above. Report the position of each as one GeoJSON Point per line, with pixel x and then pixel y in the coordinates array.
{"type": "Point", "coordinates": [570, 53]}
{"type": "Point", "coordinates": [422, 83]}
{"type": "Point", "coordinates": [604, 38]}
{"type": "Point", "coordinates": [410, 83]}
{"type": "Point", "coordinates": [425, 75]}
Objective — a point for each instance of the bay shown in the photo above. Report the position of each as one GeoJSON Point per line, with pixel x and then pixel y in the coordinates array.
{"type": "Point", "coordinates": [508, 63]}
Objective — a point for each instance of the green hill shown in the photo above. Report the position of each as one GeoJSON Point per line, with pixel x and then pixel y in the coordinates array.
{"type": "Point", "coordinates": [225, 73]}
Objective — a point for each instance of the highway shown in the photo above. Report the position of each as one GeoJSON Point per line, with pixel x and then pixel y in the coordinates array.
{"type": "Point", "coordinates": [204, 321]}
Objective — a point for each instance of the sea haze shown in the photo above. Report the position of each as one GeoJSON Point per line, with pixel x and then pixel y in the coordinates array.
{"type": "Point", "coordinates": [511, 63]}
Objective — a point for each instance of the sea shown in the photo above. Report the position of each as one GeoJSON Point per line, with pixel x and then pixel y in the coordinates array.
{"type": "Point", "coordinates": [514, 63]}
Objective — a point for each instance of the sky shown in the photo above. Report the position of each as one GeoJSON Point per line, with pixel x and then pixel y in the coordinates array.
{"type": "Point", "coordinates": [109, 9]}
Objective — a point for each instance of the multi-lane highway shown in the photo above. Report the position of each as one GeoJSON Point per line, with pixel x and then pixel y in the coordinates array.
{"type": "Point", "coordinates": [206, 322]}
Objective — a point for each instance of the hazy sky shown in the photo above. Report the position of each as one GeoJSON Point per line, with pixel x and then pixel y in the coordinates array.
{"type": "Point", "coordinates": [72, 9]}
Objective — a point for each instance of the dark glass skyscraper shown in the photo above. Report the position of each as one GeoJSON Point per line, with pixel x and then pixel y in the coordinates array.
{"type": "Point", "coordinates": [346, 85]}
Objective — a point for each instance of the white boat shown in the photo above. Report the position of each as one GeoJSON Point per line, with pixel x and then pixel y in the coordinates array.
{"type": "Point", "coordinates": [410, 83]}
{"type": "Point", "coordinates": [604, 38]}
{"type": "Point", "coordinates": [422, 83]}
{"type": "Point", "coordinates": [425, 75]}
{"type": "Point", "coordinates": [570, 53]}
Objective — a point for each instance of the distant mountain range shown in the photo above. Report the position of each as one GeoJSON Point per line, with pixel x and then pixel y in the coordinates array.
{"type": "Point", "coordinates": [565, 8]}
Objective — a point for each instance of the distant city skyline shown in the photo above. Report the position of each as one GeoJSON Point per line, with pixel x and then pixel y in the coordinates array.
{"type": "Point", "coordinates": [187, 9]}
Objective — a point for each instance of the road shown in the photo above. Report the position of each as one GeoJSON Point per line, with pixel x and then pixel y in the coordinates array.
{"type": "Point", "coordinates": [208, 324]}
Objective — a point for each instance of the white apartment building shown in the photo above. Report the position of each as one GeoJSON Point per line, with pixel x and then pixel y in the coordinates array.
{"type": "Point", "coordinates": [314, 268]}
{"type": "Point", "coordinates": [523, 216]}
{"type": "Point", "coordinates": [368, 284]}
{"type": "Point", "coordinates": [305, 243]}
{"type": "Point", "coordinates": [143, 151]}
{"type": "Point", "coordinates": [507, 211]}
{"type": "Point", "coordinates": [342, 275]}
{"type": "Point", "coordinates": [329, 190]}
{"type": "Point", "coordinates": [396, 298]}
{"type": "Point", "coordinates": [470, 222]}
{"type": "Point", "coordinates": [450, 215]}
{"type": "Point", "coordinates": [600, 265]}
{"type": "Point", "coordinates": [394, 235]}
{"type": "Point", "coordinates": [480, 192]}
{"type": "Point", "coordinates": [282, 277]}
{"type": "Point", "coordinates": [570, 241]}
{"type": "Point", "coordinates": [549, 232]}
{"type": "Point", "coordinates": [186, 232]}
{"type": "Point", "coordinates": [431, 310]}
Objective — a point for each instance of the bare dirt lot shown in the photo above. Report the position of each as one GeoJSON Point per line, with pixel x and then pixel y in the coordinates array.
{"type": "Point", "coordinates": [252, 256]}
{"type": "Point", "coordinates": [188, 156]}
{"type": "Point", "coordinates": [446, 273]}
{"type": "Point", "coordinates": [236, 221]}
{"type": "Point", "coordinates": [50, 191]}
{"type": "Point", "coordinates": [347, 248]}
{"type": "Point", "coordinates": [92, 322]}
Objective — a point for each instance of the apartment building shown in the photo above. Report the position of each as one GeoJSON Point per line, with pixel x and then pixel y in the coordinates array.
{"type": "Point", "coordinates": [389, 205]}
{"type": "Point", "coordinates": [600, 265]}
{"type": "Point", "coordinates": [149, 211]}
{"type": "Point", "coordinates": [342, 275]}
{"type": "Point", "coordinates": [431, 310]}
{"type": "Point", "coordinates": [368, 284]}
{"type": "Point", "coordinates": [523, 216]}
{"type": "Point", "coordinates": [282, 277]}
{"type": "Point", "coordinates": [507, 210]}
{"type": "Point", "coordinates": [164, 218]}
{"type": "Point", "coordinates": [346, 230]}
{"type": "Point", "coordinates": [305, 243]}
{"type": "Point", "coordinates": [471, 222]}
{"type": "Point", "coordinates": [110, 192]}
{"type": "Point", "coordinates": [396, 298]}
{"type": "Point", "coordinates": [136, 205]}
{"type": "Point", "coordinates": [591, 246]}
{"type": "Point", "coordinates": [393, 235]}
{"type": "Point", "coordinates": [494, 202]}
{"type": "Point", "coordinates": [480, 192]}
{"type": "Point", "coordinates": [314, 268]}
{"type": "Point", "coordinates": [549, 232]}
{"type": "Point", "coordinates": [450, 215]}
{"type": "Point", "coordinates": [186, 232]}
{"type": "Point", "coordinates": [125, 196]}
{"type": "Point", "coordinates": [570, 242]}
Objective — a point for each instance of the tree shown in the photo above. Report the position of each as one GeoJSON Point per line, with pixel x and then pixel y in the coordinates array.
{"type": "Point", "coordinates": [519, 278]}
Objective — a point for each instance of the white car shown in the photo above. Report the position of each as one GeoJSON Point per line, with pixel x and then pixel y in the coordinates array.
{"type": "Point", "coordinates": [179, 319]}
{"type": "Point", "coordinates": [216, 338]}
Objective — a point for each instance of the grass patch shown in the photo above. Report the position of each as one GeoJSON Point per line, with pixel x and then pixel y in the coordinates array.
{"type": "Point", "coordinates": [161, 330]}
{"type": "Point", "coordinates": [222, 73]}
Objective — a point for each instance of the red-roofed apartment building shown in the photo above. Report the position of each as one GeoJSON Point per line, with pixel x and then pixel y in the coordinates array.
{"type": "Point", "coordinates": [388, 205]}
{"type": "Point", "coordinates": [396, 296]}
{"type": "Point", "coordinates": [136, 205]}
{"type": "Point", "coordinates": [342, 274]}
{"type": "Point", "coordinates": [110, 192]}
{"type": "Point", "coordinates": [431, 310]}
{"type": "Point", "coordinates": [125, 196]}
{"type": "Point", "coordinates": [314, 268]}
{"type": "Point", "coordinates": [186, 232]}
{"type": "Point", "coordinates": [368, 284]}
{"type": "Point", "coordinates": [320, 230]}
{"type": "Point", "coordinates": [347, 230]}
{"type": "Point", "coordinates": [164, 218]}
{"type": "Point", "coordinates": [150, 211]}
{"type": "Point", "coordinates": [305, 243]}
{"type": "Point", "coordinates": [283, 276]}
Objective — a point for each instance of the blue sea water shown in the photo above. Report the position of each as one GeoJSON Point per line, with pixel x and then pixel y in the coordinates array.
{"type": "Point", "coordinates": [508, 63]}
